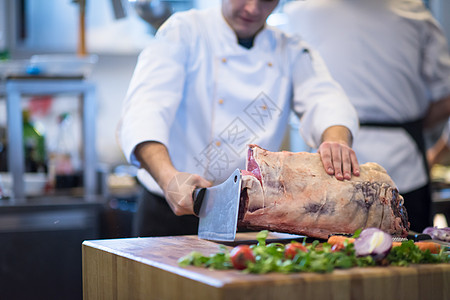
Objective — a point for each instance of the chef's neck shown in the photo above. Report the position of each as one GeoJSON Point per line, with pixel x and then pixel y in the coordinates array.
{"type": "Point", "coordinates": [246, 42]}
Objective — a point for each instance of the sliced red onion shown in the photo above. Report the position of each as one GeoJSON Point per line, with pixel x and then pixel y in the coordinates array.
{"type": "Point", "coordinates": [374, 242]}
{"type": "Point", "coordinates": [441, 234]}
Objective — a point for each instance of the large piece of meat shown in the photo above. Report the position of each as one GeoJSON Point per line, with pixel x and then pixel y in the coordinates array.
{"type": "Point", "coordinates": [292, 193]}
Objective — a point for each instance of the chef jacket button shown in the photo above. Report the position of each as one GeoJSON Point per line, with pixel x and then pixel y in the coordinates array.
{"type": "Point", "coordinates": [224, 60]}
{"type": "Point", "coordinates": [269, 64]}
{"type": "Point", "coordinates": [218, 143]}
{"type": "Point", "coordinates": [220, 101]}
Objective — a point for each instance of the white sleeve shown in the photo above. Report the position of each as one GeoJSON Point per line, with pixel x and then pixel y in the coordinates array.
{"type": "Point", "coordinates": [436, 61]}
{"type": "Point", "coordinates": [318, 99]}
{"type": "Point", "coordinates": [155, 89]}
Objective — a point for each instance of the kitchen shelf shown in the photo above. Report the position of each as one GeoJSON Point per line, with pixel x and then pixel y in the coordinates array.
{"type": "Point", "coordinates": [20, 85]}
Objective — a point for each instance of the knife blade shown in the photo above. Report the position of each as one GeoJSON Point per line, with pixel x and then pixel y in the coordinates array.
{"type": "Point", "coordinates": [217, 208]}
{"type": "Point", "coordinates": [421, 237]}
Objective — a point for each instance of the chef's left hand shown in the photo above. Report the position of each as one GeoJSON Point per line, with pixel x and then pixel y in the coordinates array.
{"type": "Point", "coordinates": [338, 158]}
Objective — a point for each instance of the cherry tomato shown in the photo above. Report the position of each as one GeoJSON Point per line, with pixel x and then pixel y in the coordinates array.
{"type": "Point", "coordinates": [337, 247]}
{"type": "Point", "coordinates": [293, 248]}
{"type": "Point", "coordinates": [240, 256]}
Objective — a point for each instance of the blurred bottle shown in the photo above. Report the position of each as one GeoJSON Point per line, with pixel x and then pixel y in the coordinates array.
{"type": "Point", "coordinates": [34, 146]}
{"type": "Point", "coordinates": [4, 33]}
{"type": "Point", "coordinates": [64, 160]}
{"type": "Point", "coordinates": [2, 193]}
{"type": "Point", "coordinates": [4, 53]}
{"type": "Point", "coordinates": [3, 150]}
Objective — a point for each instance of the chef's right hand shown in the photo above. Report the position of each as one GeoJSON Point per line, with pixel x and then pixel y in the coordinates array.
{"type": "Point", "coordinates": [179, 191]}
{"type": "Point", "coordinates": [338, 158]}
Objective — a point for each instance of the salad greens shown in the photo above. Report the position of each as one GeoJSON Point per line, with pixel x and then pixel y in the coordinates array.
{"type": "Point", "coordinates": [408, 253]}
{"type": "Point", "coordinates": [319, 257]}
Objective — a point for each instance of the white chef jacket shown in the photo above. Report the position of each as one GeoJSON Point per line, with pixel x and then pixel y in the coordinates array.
{"type": "Point", "coordinates": [392, 59]}
{"type": "Point", "coordinates": [205, 97]}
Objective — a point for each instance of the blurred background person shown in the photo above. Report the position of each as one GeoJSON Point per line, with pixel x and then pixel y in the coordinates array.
{"type": "Point", "coordinates": [392, 59]}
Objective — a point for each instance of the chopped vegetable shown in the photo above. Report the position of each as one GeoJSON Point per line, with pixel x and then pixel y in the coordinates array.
{"type": "Point", "coordinates": [336, 239]}
{"type": "Point", "coordinates": [433, 247]}
{"type": "Point", "coordinates": [408, 253]}
{"type": "Point", "coordinates": [374, 242]}
{"type": "Point", "coordinates": [240, 256]}
{"type": "Point", "coordinates": [218, 261]}
{"type": "Point", "coordinates": [263, 258]}
{"type": "Point", "coordinates": [441, 234]}
{"type": "Point", "coordinates": [337, 247]}
{"type": "Point", "coordinates": [293, 248]}
{"type": "Point", "coordinates": [396, 244]}
{"type": "Point", "coordinates": [338, 242]}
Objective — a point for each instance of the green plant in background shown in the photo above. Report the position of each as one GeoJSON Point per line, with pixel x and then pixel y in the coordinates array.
{"type": "Point", "coordinates": [34, 146]}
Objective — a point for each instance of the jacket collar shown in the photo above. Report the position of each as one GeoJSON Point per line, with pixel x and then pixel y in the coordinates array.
{"type": "Point", "coordinates": [264, 39]}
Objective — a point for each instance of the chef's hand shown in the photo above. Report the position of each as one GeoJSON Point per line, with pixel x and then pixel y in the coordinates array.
{"type": "Point", "coordinates": [177, 186]}
{"type": "Point", "coordinates": [338, 158]}
{"type": "Point", "coordinates": [179, 191]}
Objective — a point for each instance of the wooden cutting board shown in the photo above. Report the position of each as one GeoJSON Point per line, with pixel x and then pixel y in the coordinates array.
{"type": "Point", "coordinates": [147, 268]}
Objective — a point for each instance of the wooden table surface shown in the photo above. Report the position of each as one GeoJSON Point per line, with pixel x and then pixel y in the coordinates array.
{"type": "Point", "coordinates": [147, 268]}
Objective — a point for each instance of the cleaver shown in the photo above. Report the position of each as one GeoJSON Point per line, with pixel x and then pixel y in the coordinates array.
{"type": "Point", "coordinates": [217, 208]}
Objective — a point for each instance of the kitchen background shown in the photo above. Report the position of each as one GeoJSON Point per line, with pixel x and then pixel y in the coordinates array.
{"type": "Point", "coordinates": [30, 27]}
{"type": "Point", "coordinates": [41, 239]}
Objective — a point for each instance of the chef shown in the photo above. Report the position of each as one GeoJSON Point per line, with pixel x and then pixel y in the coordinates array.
{"type": "Point", "coordinates": [212, 82]}
{"type": "Point", "coordinates": [392, 59]}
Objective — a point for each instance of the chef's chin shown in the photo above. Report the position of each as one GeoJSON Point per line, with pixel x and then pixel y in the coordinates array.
{"type": "Point", "coordinates": [246, 30]}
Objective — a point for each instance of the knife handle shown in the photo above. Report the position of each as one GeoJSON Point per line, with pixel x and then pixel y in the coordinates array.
{"type": "Point", "coordinates": [419, 237]}
{"type": "Point", "coordinates": [198, 196]}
